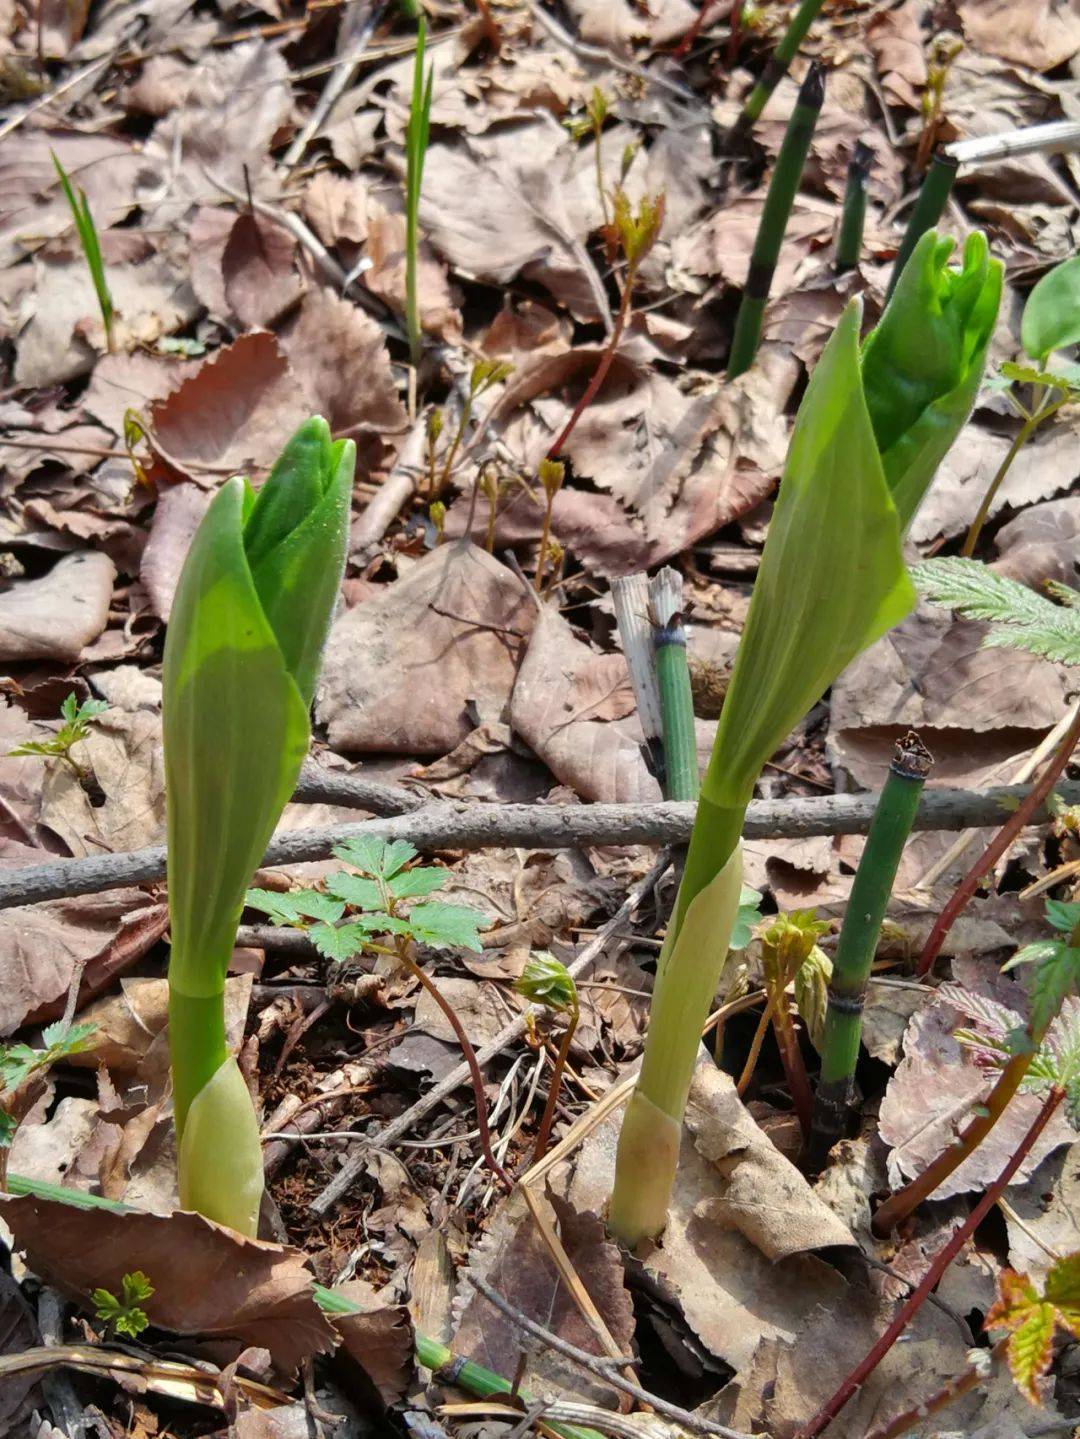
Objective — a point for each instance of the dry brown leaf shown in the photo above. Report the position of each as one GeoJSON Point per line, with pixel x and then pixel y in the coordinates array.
{"type": "Point", "coordinates": [130, 382]}
{"type": "Point", "coordinates": [618, 24]}
{"type": "Point", "coordinates": [225, 1285]}
{"type": "Point", "coordinates": [235, 413]}
{"type": "Point", "coordinates": [380, 1340]}
{"type": "Point", "coordinates": [551, 709]}
{"type": "Point", "coordinates": [1044, 466]}
{"type": "Point", "coordinates": [514, 1260]}
{"type": "Point", "coordinates": [208, 235]}
{"type": "Point", "coordinates": [56, 617]}
{"type": "Point", "coordinates": [336, 208]}
{"type": "Point", "coordinates": [339, 354]}
{"type": "Point", "coordinates": [1042, 543]}
{"type": "Point", "coordinates": [123, 754]}
{"type": "Point", "coordinates": [41, 944]}
{"type": "Point", "coordinates": [64, 333]}
{"type": "Point", "coordinates": [721, 245]}
{"type": "Point", "coordinates": [407, 671]}
{"type": "Point", "coordinates": [1041, 33]}
{"type": "Point", "coordinates": [177, 516]}
{"type": "Point", "coordinates": [898, 45]}
{"type": "Point", "coordinates": [259, 271]}
{"type": "Point", "coordinates": [938, 1082]}
{"type": "Point", "coordinates": [386, 278]}
{"type": "Point", "coordinates": [1048, 1206]}
{"type": "Point", "coordinates": [481, 1008]}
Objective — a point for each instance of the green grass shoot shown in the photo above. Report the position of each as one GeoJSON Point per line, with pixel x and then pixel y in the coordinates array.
{"type": "Point", "coordinates": [416, 143]}
{"type": "Point", "coordinates": [88, 239]}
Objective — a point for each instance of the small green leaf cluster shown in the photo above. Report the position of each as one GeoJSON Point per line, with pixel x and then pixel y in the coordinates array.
{"type": "Point", "coordinates": [76, 719]}
{"type": "Point", "coordinates": [125, 1315]}
{"type": "Point", "coordinates": [1031, 1319]}
{"type": "Point", "coordinates": [18, 1062]}
{"type": "Point", "coordinates": [790, 955]}
{"type": "Point", "coordinates": [374, 898]}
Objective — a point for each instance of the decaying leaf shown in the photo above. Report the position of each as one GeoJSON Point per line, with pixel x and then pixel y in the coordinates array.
{"type": "Point", "coordinates": [55, 617]}
{"type": "Point", "coordinates": [227, 1285]}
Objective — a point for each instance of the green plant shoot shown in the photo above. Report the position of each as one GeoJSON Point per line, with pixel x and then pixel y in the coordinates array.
{"type": "Point", "coordinates": [416, 143]}
{"type": "Point", "coordinates": [76, 720]}
{"type": "Point", "coordinates": [126, 1314]}
{"type": "Point", "coordinates": [88, 239]}
{"type": "Point", "coordinates": [242, 654]}
{"type": "Point", "coordinates": [873, 426]}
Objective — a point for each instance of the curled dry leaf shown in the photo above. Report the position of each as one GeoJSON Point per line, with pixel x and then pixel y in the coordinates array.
{"type": "Point", "coordinates": [207, 1279]}
{"type": "Point", "coordinates": [131, 382]}
{"type": "Point", "coordinates": [234, 414]}
{"type": "Point", "coordinates": [380, 1340]}
{"type": "Point", "coordinates": [386, 277]}
{"type": "Point", "coordinates": [405, 672]}
{"type": "Point", "coordinates": [55, 617]}
{"type": "Point", "coordinates": [41, 944]}
{"type": "Point", "coordinates": [259, 271]}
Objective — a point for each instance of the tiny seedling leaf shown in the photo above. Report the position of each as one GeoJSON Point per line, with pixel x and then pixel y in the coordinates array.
{"type": "Point", "coordinates": [357, 890]}
{"type": "Point", "coordinates": [545, 981]}
{"type": "Point", "coordinates": [1019, 618]}
{"type": "Point", "coordinates": [412, 883]}
{"type": "Point", "coordinates": [8, 1125]}
{"type": "Point", "coordinates": [1062, 915]}
{"type": "Point", "coordinates": [1052, 313]}
{"type": "Point", "coordinates": [747, 918]}
{"type": "Point", "coordinates": [1056, 976]}
{"type": "Point", "coordinates": [125, 1315]}
{"type": "Point", "coordinates": [446, 926]}
{"type": "Point", "coordinates": [1025, 375]}
{"type": "Point", "coordinates": [342, 941]}
{"type": "Point", "coordinates": [377, 857]}
{"type": "Point", "coordinates": [1031, 1318]}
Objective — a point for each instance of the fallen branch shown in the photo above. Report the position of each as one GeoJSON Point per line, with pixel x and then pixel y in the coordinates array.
{"type": "Point", "coordinates": [457, 825]}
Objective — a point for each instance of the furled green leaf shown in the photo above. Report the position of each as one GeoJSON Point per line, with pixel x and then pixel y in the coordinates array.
{"type": "Point", "coordinates": [446, 926]}
{"type": "Point", "coordinates": [544, 980]}
{"type": "Point", "coordinates": [1052, 313]}
{"type": "Point", "coordinates": [923, 364]}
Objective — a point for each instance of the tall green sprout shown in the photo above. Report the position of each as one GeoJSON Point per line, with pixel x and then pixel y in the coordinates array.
{"type": "Point", "coordinates": [242, 654]}
{"type": "Point", "coordinates": [873, 426]}
{"type": "Point", "coordinates": [416, 143]}
{"type": "Point", "coordinates": [86, 230]}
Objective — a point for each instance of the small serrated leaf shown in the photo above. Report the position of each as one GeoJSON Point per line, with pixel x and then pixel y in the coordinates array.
{"type": "Point", "coordinates": [296, 906]}
{"type": "Point", "coordinates": [412, 883]}
{"type": "Point", "coordinates": [356, 890]}
{"type": "Point", "coordinates": [375, 856]}
{"type": "Point", "coordinates": [1062, 915]}
{"type": "Point", "coordinates": [1055, 977]}
{"type": "Point", "coordinates": [1031, 1347]}
{"type": "Point", "coordinates": [447, 926]}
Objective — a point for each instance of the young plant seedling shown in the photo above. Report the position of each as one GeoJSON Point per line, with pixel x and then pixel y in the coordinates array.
{"type": "Point", "coordinates": [552, 475]}
{"type": "Point", "coordinates": [1051, 321]}
{"type": "Point", "coordinates": [874, 424]}
{"type": "Point", "coordinates": [88, 239]}
{"type": "Point", "coordinates": [483, 376]}
{"type": "Point", "coordinates": [22, 1071]}
{"type": "Point", "coordinates": [416, 144]}
{"type": "Point", "coordinates": [242, 655]}
{"type": "Point", "coordinates": [1022, 1053]}
{"type": "Point", "coordinates": [592, 123]}
{"type": "Point", "coordinates": [545, 981]}
{"type": "Point", "coordinates": [942, 54]}
{"type": "Point", "coordinates": [125, 1315]}
{"type": "Point", "coordinates": [76, 721]}
{"type": "Point", "coordinates": [373, 910]}
{"type": "Point", "coordinates": [1031, 1318]}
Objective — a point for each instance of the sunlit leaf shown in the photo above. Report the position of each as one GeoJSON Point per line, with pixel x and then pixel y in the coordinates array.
{"type": "Point", "coordinates": [1052, 313]}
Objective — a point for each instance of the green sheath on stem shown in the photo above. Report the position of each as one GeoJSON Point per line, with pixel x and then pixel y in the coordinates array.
{"type": "Point", "coordinates": [853, 216]}
{"type": "Point", "coordinates": [242, 653]}
{"type": "Point", "coordinates": [870, 891]}
{"type": "Point", "coordinates": [872, 427]}
{"type": "Point", "coordinates": [783, 187]}
{"type": "Point", "coordinates": [927, 211]}
{"type": "Point", "coordinates": [775, 69]}
{"type": "Point", "coordinates": [681, 778]}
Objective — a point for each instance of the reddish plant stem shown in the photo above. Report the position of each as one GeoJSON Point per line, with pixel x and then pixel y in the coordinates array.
{"type": "Point", "coordinates": [695, 29]}
{"type": "Point", "coordinates": [602, 368]}
{"type": "Point", "coordinates": [828, 1412]}
{"type": "Point", "coordinates": [543, 1134]}
{"type": "Point", "coordinates": [1001, 842]}
{"type": "Point", "coordinates": [469, 1055]}
{"type": "Point", "coordinates": [899, 1205]}
{"type": "Point", "coordinates": [791, 1056]}
{"type": "Point", "coordinates": [956, 1388]}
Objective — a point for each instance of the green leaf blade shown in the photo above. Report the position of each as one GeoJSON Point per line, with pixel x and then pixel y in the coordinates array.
{"type": "Point", "coordinates": [1051, 317]}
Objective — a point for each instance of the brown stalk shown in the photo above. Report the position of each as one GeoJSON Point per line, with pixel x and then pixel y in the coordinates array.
{"type": "Point", "coordinates": [543, 1134]}
{"type": "Point", "coordinates": [956, 1388]}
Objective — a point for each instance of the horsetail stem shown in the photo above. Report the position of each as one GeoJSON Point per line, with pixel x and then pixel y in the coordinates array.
{"type": "Point", "coordinates": [776, 68]}
{"type": "Point", "coordinates": [853, 217]}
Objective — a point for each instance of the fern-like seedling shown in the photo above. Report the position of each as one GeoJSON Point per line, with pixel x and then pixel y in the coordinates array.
{"type": "Point", "coordinates": [19, 1063]}
{"type": "Point", "coordinates": [88, 239]}
{"type": "Point", "coordinates": [1018, 616]}
{"type": "Point", "coordinates": [125, 1315]}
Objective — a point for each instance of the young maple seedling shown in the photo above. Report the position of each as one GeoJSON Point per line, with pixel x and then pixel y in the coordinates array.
{"type": "Point", "coordinates": [1029, 1055]}
{"type": "Point", "coordinates": [76, 721]}
{"type": "Point", "coordinates": [88, 239]}
{"type": "Point", "coordinates": [125, 1315]}
{"type": "Point", "coordinates": [372, 910]}
{"type": "Point", "coordinates": [545, 981]}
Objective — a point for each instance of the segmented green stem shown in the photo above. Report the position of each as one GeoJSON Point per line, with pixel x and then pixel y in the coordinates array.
{"type": "Point", "coordinates": [776, 67]}
{"type": "Point", "coordinates": [927, 211]}
{"type": "Point", "coordinates": [870, 891]}
{"type": "Point", "coordinates": [853, 216]}
{"type": "Point", "coordinates": [783, 187]}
